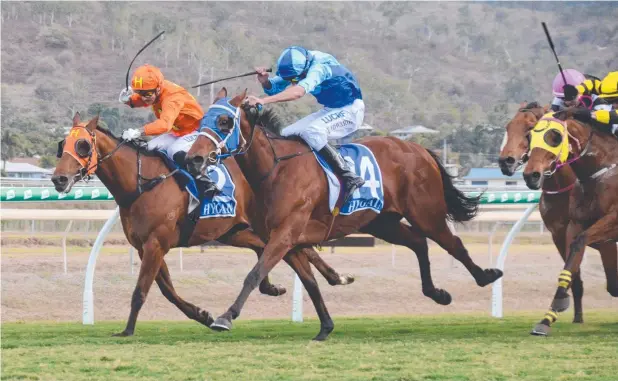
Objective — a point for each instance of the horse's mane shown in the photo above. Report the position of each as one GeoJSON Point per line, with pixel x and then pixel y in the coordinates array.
{"type": "Point", "coordinates": [531, 105]}
{"type": "Point", "coordinates": [270, 120]}
{"type": "Point", "coordinates": [136, 145]}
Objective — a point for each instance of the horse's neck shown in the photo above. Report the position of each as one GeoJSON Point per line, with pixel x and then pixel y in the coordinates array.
{"type": "Point", "coordinates": [561, 180]}
{"type": "Point", "coordinates": [119, 172]}
{"type": "Point", "coordinates": [602, 152]}
{"type": "Point", "coordinates": [259, 159]}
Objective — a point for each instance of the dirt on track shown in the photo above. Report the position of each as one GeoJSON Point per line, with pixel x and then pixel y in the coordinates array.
{"type": "Point", "coordinates": [34, 286]}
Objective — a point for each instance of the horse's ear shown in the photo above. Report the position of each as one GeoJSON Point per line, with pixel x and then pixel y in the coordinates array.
{"type": "Point", "coordinates": [545, 109]}
{"type": "Point", "coordinates": [221, 94]}
{"type": "Point", "coordinates": [76, 119]}
{"type": "Point", "coordinates": [237, 100]}
{"type": "Point", "coordinates": [92, 125]}
{"type": "Point", "coordinates": [523, 104]}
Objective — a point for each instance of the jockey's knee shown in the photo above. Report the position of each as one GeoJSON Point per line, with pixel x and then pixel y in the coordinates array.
{"type": "Point", "coordinates": [179, 157]}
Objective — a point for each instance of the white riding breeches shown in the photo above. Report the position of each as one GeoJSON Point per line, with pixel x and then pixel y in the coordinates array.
{"type": "Point", "coordinates": [328, 123]}
{"type": "Point", "coordinates": [171, 144]}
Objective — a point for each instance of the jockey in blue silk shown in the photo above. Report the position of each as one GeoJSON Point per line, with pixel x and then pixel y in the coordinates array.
{"type": "Point", "coordinates": [301, 71]}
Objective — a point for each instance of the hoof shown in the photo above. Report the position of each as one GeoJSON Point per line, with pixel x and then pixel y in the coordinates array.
{"type": "Point", "coordinates": [561, 304]}
{"type": "Point", "coordinates": [221, 324]}
{"type": "Point", "coordinates": [440, 296]}
{"type": "Point", "coordinates": [613, 291]}
{"type": "Point", "coordinates": [346, 279]}
{"type": "Point", "coordinates": [124, 333]}
{"type": "Point", "coordinates": [489, 276]}
{"type": "Point", "coordinates": [205, 317]}
{"type": "Point", "coordinates": [273, 290]}
{"type": "Point", "coordinates": [578, 318]}
{"type": "Point", "coordinates": [324, 332]}
{"type": "Point", "coordinates": [541, 330]}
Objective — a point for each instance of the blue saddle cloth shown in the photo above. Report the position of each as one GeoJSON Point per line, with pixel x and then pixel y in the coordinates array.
{"type": "Point", "coordinates": [222, 205]}
{"type": "Point", "coordinates": [362, 162]}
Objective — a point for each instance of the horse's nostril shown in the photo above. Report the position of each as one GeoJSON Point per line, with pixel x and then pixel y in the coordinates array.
{"type": "Point", "coordinates": [197, 160]}
{"type": "Point", "coordinates": [510, 160]}
{"type": "Point", "coordinates": [536, 175]}
{"type": "Point", "coordinates": [60, 180]}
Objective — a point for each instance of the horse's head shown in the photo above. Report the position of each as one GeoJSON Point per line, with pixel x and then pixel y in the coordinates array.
{"type": "Point", "coordinates": [219, 131]}
{"type": "Point", "coordinates": [77, 153]}
{"type": "Point", "coordinates": [515, 147]}
{"type": "Point", "coordinates": [553, 139]}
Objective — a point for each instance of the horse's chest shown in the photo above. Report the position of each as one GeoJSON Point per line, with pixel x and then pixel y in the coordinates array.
{"type": "Point", "coordinates": [586, 204]}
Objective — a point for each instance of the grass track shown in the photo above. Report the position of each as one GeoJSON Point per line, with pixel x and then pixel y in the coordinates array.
{"type": "Point", "coordinates": [444, 347]}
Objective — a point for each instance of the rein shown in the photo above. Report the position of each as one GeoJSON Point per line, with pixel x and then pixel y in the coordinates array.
{"type": "Point", "coordinates": [143, 184]}
{"type": "Point", "coordinates": [245, 148]}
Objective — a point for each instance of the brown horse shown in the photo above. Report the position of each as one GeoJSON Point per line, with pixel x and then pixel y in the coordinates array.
{"type": "Point", "coordinates": [593, 209]}
{"type": "Point", "coordinates": [293, 189]}
{"type": "Point", "coordinates": [152, 220]}
{"type": "Point", "coordinates": [554, 203]}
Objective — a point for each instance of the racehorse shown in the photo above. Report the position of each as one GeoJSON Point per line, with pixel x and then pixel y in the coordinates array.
{"type": "Point", "coordinates": [152, 212]}
{"type": "Point", "coordinates": [294, 196]}
{"type": "Point", "coordinates": [593, 208]}
{"type": "Point", "coordinates": [555, 199]}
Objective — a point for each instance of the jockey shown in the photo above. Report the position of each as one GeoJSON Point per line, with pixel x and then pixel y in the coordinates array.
{"type": "Point", "coordinates": [569, 94]}
{"type": "Point", "coordinates": [178, 116]}
{"type": "Point", "coordinates": [605, 115]}
{"type": "Point", "coordinates": [334, 87]}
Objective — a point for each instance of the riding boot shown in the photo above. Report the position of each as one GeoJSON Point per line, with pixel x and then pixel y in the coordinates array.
{"type": "Point", "coordinates": [340, 167]}
{"type": "Point", "coordinates": [205, 186]}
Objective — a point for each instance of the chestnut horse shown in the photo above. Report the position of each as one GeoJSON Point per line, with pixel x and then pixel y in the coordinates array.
{"type": "Point", "coordinates": [152, 220]}
{"type": "Point", "coordinates": [593, 207]}
{"type": "Point", "coordinates": [554, 203]}
{"type": "Point", "coordinates": [293, 190]}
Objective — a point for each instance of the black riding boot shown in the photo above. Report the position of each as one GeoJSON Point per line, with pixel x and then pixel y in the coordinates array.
{"type": "Point", "coordinates": [205, 186]}
{"type": "Point", "coordinates": [340, 167]}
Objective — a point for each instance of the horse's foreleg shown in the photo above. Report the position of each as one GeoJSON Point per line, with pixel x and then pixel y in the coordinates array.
{"type": "Point", "coordinates": [603, 230]}
{"type": "Point", "coordinates": [558, 236]}
{"type": "Point", "coordinates": [330, 274]}
{"type": "Point", "coordinates": [298, 260]}
{"type": "Point", "coordinates": [152, 257]}
{"type": "Point", "coordinates": [247, 238]}
{"type": "Point", "coordinates": [279, 244]}
{"type": "Point", "coordinates": [390, 229]}
{"type": "Point", "coordinates": [164, 281]}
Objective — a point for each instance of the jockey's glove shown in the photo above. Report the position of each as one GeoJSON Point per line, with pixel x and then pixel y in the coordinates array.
{"type": "Point", "coordinates": [131, 134]}
{"type": "Point", "coordinates": [125, 94]}
{"type": "Point", "coordinates": [570, 92]}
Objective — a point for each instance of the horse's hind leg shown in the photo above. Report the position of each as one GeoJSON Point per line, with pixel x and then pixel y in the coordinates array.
{"type": "Point", "coordinates": [389, 228]}
{"type": "Point", "coordinates": [609, 257]}
{"type": "Point", "coordinates": [167, 289]}
{"type": "Point", "coordinates": [435, 228]}
{"type": "Point", "coordinates": [248, 239]}
{"type": "Point", "coordinates": [152, 257]}
{"type": "Point", "coordinates": [332, 276]}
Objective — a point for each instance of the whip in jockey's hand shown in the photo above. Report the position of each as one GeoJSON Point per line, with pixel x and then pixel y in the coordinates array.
{"type": "Point", "coordinates": [253, 101]}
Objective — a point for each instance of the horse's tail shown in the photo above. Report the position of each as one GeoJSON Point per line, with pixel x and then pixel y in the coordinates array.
{"type": "Point", "coordinates": [460, 208]}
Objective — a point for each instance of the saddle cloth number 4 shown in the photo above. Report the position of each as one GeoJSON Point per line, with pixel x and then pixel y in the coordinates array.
{"type": "Point", "coordinates": [365, 166]}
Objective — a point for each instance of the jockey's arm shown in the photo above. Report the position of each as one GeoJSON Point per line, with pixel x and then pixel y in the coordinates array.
{"type": "Point", "coordinates": [606, 116]}
{"type": "Point", "coordinates": [170, 109]}
{"type": "Point", "coordinates": [292, 93]}
{"type": "Point", "coordinates": [317, 74]}
{"type": "Point", "coordinates": [589, 87]}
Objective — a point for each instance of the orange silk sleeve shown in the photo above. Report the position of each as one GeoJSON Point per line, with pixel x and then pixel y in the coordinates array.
{"type": "Point", "coordinates": [170, 109]}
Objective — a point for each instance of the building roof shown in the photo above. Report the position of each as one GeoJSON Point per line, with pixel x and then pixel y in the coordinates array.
{"type": "Point", "coordinates": [491, 174]}
{"type": "Point", "coordinates": [25, 168]}
{"type": "Point", "coordinates": [414, 130]}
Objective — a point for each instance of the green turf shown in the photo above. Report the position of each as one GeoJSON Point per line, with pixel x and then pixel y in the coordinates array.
{"type": "Point", "coordinates": [445, 347]}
